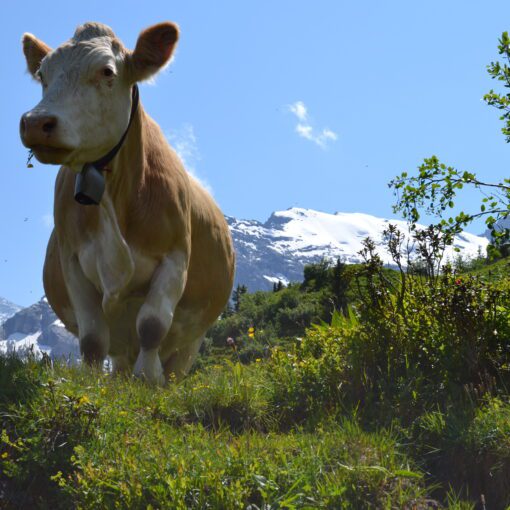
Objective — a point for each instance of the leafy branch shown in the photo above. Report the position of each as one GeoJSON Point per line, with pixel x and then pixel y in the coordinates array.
{"type": "Point", "coordinates": [434, 189]}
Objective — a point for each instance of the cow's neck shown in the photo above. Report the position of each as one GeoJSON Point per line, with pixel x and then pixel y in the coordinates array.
{"type": "Point", "coordinates": [126, 172]}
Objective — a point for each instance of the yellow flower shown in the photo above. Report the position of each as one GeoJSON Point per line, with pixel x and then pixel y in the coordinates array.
{"type": "Point", "coordinates": [84, 400]}
{"type": "Point", "coordinates": [5, 455]}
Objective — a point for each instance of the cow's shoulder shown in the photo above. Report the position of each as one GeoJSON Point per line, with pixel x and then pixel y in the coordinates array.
{"type": "Point", "coordinates": [158, 212]}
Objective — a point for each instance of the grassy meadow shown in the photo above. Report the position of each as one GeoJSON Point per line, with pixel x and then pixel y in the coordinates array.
{"type": "Point", "coordinates": [399, 402]}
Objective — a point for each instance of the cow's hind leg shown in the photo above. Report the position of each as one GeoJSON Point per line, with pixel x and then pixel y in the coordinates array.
{"type": "Point", "coordinates": [120, 365]}
{"type": "Point", "coordinates": [180, 362]}
{"type": "Point", "coordinates": [156, 314]}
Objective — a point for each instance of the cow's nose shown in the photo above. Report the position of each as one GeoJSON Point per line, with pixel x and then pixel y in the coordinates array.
{"type": "Point", "coordinates": [36, 128]}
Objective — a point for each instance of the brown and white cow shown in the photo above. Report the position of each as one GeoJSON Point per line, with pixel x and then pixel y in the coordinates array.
{"type": "Point", "coordinates": [145, 273]}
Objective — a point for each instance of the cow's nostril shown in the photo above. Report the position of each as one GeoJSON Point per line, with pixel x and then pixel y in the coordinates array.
{"type": "Point", "coordinates": [49, 125]}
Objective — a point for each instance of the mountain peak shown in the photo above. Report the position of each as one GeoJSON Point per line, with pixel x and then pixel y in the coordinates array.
{"type": "Point", "coordinates": [279, 248]}
{"type": "Point", "coordinates": [7, 309]}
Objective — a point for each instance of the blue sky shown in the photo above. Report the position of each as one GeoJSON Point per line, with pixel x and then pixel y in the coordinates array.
{"type": "Point", "coordinates": [275, 104]}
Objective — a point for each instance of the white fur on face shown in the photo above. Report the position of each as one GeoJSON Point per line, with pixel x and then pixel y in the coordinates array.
{"type": "Point", "coordinates": [92, 109]}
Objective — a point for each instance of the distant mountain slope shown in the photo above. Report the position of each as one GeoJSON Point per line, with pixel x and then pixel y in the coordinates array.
{"type": "Point", "coordinates": [7, 309]}
{"type": "Point", "coordinates": [37, 328]}
{"type": "Point", "coordinates": [500, 225]}
{"type": "Point", "coordinates": [280, 248]}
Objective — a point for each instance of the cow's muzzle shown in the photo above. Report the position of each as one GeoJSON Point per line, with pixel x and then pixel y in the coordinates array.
{"type": "Point", "coordinates": [39, 132]}
{"type": "Point", "coordinates": [37, 128]}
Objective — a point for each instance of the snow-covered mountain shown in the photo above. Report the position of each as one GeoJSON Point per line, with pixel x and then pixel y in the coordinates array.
{"type": "Point", "coordinates": [280, 248]}
{"type": "Point", "coordinates": [36, 328]}
{"type": "Point", "coordinates": [7, 309]}
{"type": "Point", "coordinates": [500, 225]}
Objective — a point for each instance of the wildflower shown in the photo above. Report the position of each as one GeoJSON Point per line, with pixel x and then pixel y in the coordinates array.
{"type": "Point", "coordinates": [251, 332]}
{"type": "Point", "coordinates": [258, 360]}
{"type": "Point", "coordinates": [84, 400]}
{"type": "Point", "coordinates": [231, 343]}
{"type": "Point", "coordinates": [458, 281]}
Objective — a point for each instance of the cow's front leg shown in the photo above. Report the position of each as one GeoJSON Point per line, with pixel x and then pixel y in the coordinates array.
{"type": "Point", "coordinates": [93, 332]}
{"type": "Point", "coordinates": [156, 314]}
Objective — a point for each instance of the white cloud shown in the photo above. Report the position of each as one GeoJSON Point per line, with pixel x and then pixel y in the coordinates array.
{"type": "Point", "coordinates": [329, 135]}
{"type": "Point", "coordinates": [305, 129]}
{"type": "Point", "coordinates": [47, 220]}
{"type": "Point", "coordinates": [184, 141]}
{"type": "Point", "coordinates": [299, 110]}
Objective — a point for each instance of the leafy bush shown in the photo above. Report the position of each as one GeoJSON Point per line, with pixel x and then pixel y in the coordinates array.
{"type": "Point", "coordinates": [308, 378]}
{"type": "Point", "coordinates": [38, 437]}
{"type": "Point", "coordinates": [19, 379]}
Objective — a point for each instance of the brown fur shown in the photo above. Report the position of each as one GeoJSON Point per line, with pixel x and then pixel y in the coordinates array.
{"type": "Point", "coordinates": [153, 49]}
{"type": "Point", "coordinates": [34, 50]}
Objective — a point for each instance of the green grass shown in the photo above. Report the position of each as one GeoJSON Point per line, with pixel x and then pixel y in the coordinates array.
{"type": "Point", "coordinates": [88, 440]}
{"type": "Point", "coordinates": [494, 271]}
{"type": "Point", "coordinates": [75, 438]}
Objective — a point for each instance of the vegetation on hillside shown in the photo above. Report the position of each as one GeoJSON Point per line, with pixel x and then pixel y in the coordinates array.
{"type": "Point", "coordinates": [260, 320]}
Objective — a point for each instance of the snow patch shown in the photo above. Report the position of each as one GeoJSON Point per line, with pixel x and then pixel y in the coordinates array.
{"type": "Point", "coordinates": [276, 279]}
{"type": "Point", "coordinates": [21, 343]}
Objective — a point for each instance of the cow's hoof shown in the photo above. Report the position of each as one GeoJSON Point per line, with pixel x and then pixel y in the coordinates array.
{"type": "Point", "coordinates": [152, 380]}
{"type": "Point", "coordinates": [148, 367]}
{"type": "Point", "coordinates": [93, 350]}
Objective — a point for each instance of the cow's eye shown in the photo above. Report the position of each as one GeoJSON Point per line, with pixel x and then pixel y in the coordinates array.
{"type": "Point", "coordinates": [108, 72]}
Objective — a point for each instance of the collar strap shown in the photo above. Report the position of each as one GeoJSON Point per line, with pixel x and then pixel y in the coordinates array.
{"type": "Point", "coordinates": [102, 162]}
{"type": "Point", "coordinates": [89, 184]}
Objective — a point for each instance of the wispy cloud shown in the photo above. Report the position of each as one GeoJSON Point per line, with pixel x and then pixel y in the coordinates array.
{"type": "Point", "coordinates": [299, 110]}
{"type": "Point", "coordinates": [184, 141]}
{"type": "Point", "coordinates": [305, 129]}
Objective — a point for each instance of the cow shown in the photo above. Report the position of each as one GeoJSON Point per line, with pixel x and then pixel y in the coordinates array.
{"type": "Point", "coordinates": [140, 262]}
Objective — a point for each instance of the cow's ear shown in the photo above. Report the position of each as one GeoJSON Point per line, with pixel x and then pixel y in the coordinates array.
{"type": "Point", "coordinates": [34, 50]}
{"type": "Point", "coordinates": [153, 50]}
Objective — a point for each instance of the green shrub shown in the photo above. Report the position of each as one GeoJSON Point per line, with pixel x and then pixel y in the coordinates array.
{"type": "Point", "coordinates": [419, 345]}
{"type": "Point", "coordinates": [37, 439]}
{"type": "Point", "coordinates": [308, 379]}
{"type": "Point", "coordinates": [19, 379]}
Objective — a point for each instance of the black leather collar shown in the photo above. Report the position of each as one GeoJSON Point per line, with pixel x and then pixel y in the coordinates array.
{"type": "Point", "coordinates": [89, 185]}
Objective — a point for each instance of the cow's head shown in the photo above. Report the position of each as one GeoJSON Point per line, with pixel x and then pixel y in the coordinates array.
{"type": "Point", "coordinates": [86, 84]}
